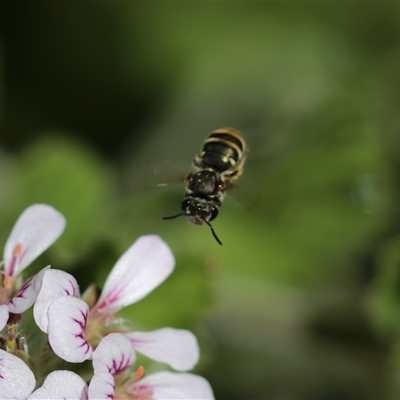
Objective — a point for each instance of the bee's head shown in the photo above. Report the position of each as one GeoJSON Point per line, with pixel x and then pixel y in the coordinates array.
{"type": "Point", "coordinates": [198, 212]}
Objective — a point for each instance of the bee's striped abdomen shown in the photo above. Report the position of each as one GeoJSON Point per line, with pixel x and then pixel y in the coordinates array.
{"type": "Point", "coordinates": [222, 150]}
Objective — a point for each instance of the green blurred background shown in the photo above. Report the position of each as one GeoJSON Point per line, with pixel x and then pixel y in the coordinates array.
{"type": "Point", "coordinates": [101, 103]}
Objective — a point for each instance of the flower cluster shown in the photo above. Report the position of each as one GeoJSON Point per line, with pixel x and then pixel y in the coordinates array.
{"type": "Point", "coordinates": [84, 327]}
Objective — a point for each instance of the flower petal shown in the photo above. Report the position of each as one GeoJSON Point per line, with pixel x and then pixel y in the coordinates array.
{"type": "Point", "coordinates": [175, 347]}
{"type": "Point", "coordinates": [173, 385]}
{"type": "Point", "coordinates": [102, 386]}
{"type": "Point", "coordinates": [3, 316]}
{"type": "Point", "coordinates": [27, 294]}
{"type": "Point", "coordinates": [114, 354]}
{"type": "Point", "coordinates": [16, 379]}
{"type": "Point", "coordinates": [144, 266]}
{"type": "Point", "coordinates": [38, 227]}
{"type": "Point", "coordinates": [61, 385]}
{"type": "Point", "coordinates": [67, 323]}
{"type": "Point", "coordinates": [55, 284]}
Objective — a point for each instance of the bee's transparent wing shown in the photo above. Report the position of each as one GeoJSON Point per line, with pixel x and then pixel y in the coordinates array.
{"type": "Point", "coordinates": [157, 163]}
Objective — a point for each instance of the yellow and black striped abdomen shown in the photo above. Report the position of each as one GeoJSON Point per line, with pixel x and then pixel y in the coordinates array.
{"type": "Point", "coordinates": [222, 150]}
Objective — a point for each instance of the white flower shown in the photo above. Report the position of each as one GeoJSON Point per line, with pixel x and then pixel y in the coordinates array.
{"type": "Point", "coordinates": [112, 361]}
{"type": "Point", "coordinates": [144, 266]}
{"type": "Point", "coordinates": [24, 299]}
{"type": "Point", "coordinates": [102, 386]}
{"type": "Point", "coordinates": [175, 347]}
{"type": "Point", "coordinates": [114, 354]}
{"type": "Point", "coordinates": [16, 379]}
{"type": "Point", "coordinates": [55, 284]}
{"type": "Point", "coordinates": [171, 385]}
{"type": "Point", "coordinates": [74, 330]}
{"type": "Point", "coordinates": [37, 228]}
{"type": "Point", "coordinates": [79, 330]}
{"type": "Point", "coordinates": [27, 294]}
{"type": "Point", "coordinates": [61, 385]}
{"type": "Point", "coordinates": [66, 329]}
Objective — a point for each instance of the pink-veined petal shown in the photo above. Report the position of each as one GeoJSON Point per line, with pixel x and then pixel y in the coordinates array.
{"type": "Point", "coordinates": [61, 385]}
{"type": "Point", "coordinates": [102, 386]}
{"type": "Point", "coordinates": [55, 284]}
{"type": "Point", "coordinates": [66, 329]}
{"type": "Point", "coordinates": [114, 354]}
{"type": "Point", "coordinates": [37, 228]}
{"type": "Point", "coordinates": [3, 316]}
{"type": "Point", "coordinates": [27, 294]}
{"type": "Point", "coordinates": [175, 347]}
{"type": "Point", "coordinates": [174, 385]}
{"type": "Point", "coordinates": [16, 379]}
{"type": "Point", "coordinates": [144, 266]}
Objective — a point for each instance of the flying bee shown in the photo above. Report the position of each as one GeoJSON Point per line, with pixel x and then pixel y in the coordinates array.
{"type": "Point", "coordinates": [218, 164]}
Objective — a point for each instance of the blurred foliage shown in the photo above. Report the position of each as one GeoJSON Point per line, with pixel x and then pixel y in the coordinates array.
{"type": "Point", "coordinates": [101, 103]}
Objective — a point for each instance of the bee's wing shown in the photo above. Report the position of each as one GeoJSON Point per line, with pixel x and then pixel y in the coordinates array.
{"type": "Point", "coordinates": [155, 164]}
{"type": "Point", "coordinates": [262, 187]}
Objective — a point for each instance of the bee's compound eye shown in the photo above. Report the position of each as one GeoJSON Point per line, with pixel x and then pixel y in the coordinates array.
{"type": "Point", "coordinates": [214, 213]}
{"type": "Point", "coordinates": [185, 206]}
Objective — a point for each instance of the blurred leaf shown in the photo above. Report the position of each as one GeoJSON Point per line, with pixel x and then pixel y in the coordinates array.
{"type": "Point", "coordinates": [384, 296]}
{"type": "Point", "coordinates": [66, 174]}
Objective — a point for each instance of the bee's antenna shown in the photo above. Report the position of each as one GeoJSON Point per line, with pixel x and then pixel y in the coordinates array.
{"type": "Point", "coordinates": [212, 229]}
{"type": "Point", "coordinates": [213, 232]}
{"type": "Point", "coordinates": [172, 216]}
